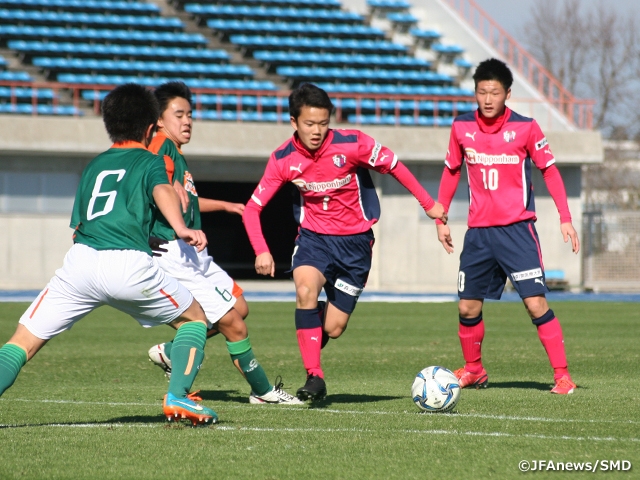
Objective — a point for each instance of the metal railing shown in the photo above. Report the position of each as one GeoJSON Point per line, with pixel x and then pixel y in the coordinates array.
{"type": "Point", "coordinates": [578, 111]}
{"type": "Point", "coordinates": [74, 92]}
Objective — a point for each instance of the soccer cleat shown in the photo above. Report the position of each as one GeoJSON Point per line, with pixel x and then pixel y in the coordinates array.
{"type": "Point", "coordinates": [175, 409]}
{"type": "Point", "coordinates": [468, 379]}
{"type": "Point", "coordinates": [564, 386]}
{"type": "Point", "coordinates": [314, 389]}
{"type": "Point", "coordinates": [159, 358]}
{"type": "Point", "coordinates": [276, 396]}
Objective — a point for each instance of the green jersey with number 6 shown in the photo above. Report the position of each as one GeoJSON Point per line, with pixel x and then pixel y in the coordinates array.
{"type": "Point", "coordinates": [165, 147]}
{"type": "Point", "coordinates": [114, 207]}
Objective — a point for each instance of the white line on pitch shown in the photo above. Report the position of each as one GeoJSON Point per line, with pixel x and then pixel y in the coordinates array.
{"type": "Point", "coordinates": [343, 430]}
{"type": "Point", "coordinates": [343, 412]}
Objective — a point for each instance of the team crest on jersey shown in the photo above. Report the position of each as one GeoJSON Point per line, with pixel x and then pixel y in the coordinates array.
{"type": "Point", "coordinates": [340, 160]}
{"type": "Point", "coordinates": [189, 186]}
{"type": "Point", "coordinates": [509, 136]}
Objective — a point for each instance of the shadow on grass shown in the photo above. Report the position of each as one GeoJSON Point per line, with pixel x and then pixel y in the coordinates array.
{"type": "Point", "coordinates": [224, 396]}
{"type": "Point", "coordinates": [348, 398]}
{"type": "Point", "coordinates": [140, 419]}
{"type": "Point", "coordinates": [522, 385]}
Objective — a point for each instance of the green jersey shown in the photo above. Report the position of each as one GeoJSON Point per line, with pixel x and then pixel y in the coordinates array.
{"type": "Point", "coordinates": [162, 146]}
{"type": "Point", "coordinates": [114, 207]}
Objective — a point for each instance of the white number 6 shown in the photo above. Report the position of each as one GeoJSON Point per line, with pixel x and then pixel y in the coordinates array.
{"type": "Point", "coordinates": [97, 193]}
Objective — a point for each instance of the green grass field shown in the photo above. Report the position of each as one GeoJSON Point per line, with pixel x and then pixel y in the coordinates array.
{"type": "Point", "coordinates": [89, 404]}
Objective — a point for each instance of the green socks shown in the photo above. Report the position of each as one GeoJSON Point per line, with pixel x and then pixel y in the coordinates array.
{"type": "Point", "coordinates": [12, 359]}
{"type": "Point", "coordinates": [212, 332]}
{"type": "Point", "coordinates": [243, 358]}
{"type": "Point", "coordinates": [187, 354]}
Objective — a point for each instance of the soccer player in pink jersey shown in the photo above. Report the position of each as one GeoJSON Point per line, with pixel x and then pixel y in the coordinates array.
{"type": "Point", "coordinates": [500, 147]}
{"type": "Point", "coordinates": [337, 207]}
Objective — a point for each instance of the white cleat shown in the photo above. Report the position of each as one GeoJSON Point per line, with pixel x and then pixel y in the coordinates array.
{"type": "Point", "coordinates": [159, 358]}
{"type": "Point", "coordinates": [275, 396]}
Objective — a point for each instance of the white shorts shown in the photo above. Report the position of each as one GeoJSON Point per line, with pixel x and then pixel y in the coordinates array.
{"type": "Point", "coordinates": [214, 289]}
{"type": "Point", "coordinates": [128, 280]}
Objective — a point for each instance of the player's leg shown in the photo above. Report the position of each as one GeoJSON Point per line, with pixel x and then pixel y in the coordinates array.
{"type": "Point", "coordinates": [550, 335]}
{"type": "Point", "coordinates": [20, 348]}
{"type": "Point", "coordinates": [522, 258]}
{"type": "Point", "coordinates": [471, 335]}
{"type": "Point", "coordinates": [197, 271]}
{"type": "Point", "coordinates": [67, 298]}
{"type": "Point", "coordinates": [234, 329]}
{"type": "Point", "coordinates": [136, 285]}
{"type": "Point", "coordinates": [479, 277]}
{"type": "Point", "coordinates": [309, 317]}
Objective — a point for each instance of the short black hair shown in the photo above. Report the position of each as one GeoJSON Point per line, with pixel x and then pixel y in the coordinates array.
{"type": "Point", "coordinates": [493, 69]}
{"type": "Point", "coordinates": [170, 90]}
{"type": "Point", "coordinates": [308, 95]}
{"type": "Point", "coordinates": [127, 112]}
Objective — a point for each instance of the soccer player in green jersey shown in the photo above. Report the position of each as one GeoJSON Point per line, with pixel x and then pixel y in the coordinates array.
{"type": "Point", "coordinates": [111, 262]}
{"type": "Point", "coordinates": [220, 297]}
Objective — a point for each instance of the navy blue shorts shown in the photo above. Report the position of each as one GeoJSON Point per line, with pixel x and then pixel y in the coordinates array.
{"type": "Point", "coordinates": [344, 260]}
{"type": "Point", "coordinates": [491, 254]}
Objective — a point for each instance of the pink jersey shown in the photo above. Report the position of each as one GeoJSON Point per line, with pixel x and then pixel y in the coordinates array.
{"type": "Point", "coordinates": [337, 195]}
{"type": "Point", "coordinates": [499, 157]}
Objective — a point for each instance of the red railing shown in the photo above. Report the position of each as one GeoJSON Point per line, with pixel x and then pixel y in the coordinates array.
{"type": "Point", "coordinates": [74, 90]}
{"type": "Point", "coordinates": [578, 111]}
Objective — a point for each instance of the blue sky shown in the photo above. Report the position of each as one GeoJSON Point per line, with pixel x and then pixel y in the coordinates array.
{"type": "Point", "coordinates": [512, 14]}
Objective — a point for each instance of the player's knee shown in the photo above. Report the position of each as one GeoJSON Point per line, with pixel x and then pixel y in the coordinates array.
{"type": "Point", "coordinates": [469, 310]}
{"type": "Point", "coordinates": [335, 332]}
{"type": "Point", "coordinates": [306, 297]}
{"type": "Point", "coordinates": [536, 306]}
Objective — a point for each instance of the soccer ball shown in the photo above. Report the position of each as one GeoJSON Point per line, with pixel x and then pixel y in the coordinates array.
{"type": "Point", "coordinates": [435, 389]}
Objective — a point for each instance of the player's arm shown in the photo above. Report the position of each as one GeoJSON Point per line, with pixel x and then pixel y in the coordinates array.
{"type": "Point", "coordinates": [269, 184]}
{"type": "Point", "coordinates": [211, 205]}
{"type": "Point", "coordinates": [168, 203]}
{"type": "Point", "coordinates": [542, 157]}
{"type": "Point", "coordinates": [448, 186]}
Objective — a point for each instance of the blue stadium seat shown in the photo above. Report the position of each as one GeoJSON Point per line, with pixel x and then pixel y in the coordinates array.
{"type": "Point", "coordinates": [65, 19]}
{"type": "Point", "coordinates": [26, 32]}
{"type": "Point", "coordinates": [129, 7]}
{"type": "Point", "coordinates": [248, 12]}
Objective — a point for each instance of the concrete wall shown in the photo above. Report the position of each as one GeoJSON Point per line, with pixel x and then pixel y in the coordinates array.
{"type": "Point", "coordinates": [407, 254]}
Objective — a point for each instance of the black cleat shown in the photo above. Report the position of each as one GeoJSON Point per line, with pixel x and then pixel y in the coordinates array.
{"type": "Point", "coordinates": [314, 389]}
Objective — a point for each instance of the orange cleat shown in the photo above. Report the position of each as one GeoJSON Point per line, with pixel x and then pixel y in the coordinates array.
{"type": "Point", "coordinates": [468, 379]}
{"type": "Point", "coordinates": [564, 386]}
{"type": "Point", "coordinates": [176, 409]}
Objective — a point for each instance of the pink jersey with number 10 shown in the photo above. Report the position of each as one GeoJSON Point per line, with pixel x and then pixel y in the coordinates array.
{"type": "Point", "coordinates": [499, 157]}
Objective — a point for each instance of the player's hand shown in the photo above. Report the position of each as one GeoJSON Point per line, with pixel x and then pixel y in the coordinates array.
{"type": "Point", "coordinates": [568, 232]}
{"type": "Point", "coordinates": [155, 244]}
{"type": "Point", "coordinates": [237, 208]}
{"type": "Point", "coordinates": [182, 195]}
{"type": "Point", "coordinates": [437, 212]}
{"type": "Point", "coordinates": [444, 235]}
{"type": "Point", "coordinates": [265, 264]}
{"type": "Point", "coordinates": [195, 238]}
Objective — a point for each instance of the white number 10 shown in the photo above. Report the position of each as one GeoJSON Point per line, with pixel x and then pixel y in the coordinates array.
{"type": "Point", "coordinates": [490, 178]}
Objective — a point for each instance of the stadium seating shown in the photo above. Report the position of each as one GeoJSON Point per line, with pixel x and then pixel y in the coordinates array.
{"type": "Point", "coordinates": [87, 6]}
{"type": "Point", "coordinates": [30, 49]}
{"type": "Point", "coordinates": [109, 42]}
{"type": "Point", "coordinates": [97, 20]}
{"type": "Point", "coordinates": [226, 28]}
{"type": "Point", "coordinates": [249, 12]}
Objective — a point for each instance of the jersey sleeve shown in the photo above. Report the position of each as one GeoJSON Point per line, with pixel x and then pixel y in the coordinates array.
{"type": "Point", "coordinates": [170, 166]}
{"type": "Point", "coordinates": [454, 157]}
{"type": "Point", "coordinates": [156, 174]}
{"type": "Point", "coordinates": [269, 184]}
{"type": "Point", "coordinates": [374, 155]}
{"type": "Point", "coordinates": [538, 148]}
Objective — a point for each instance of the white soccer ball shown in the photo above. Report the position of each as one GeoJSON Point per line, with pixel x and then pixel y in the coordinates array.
{"type": "Point", "coordinates": [435, 389]}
